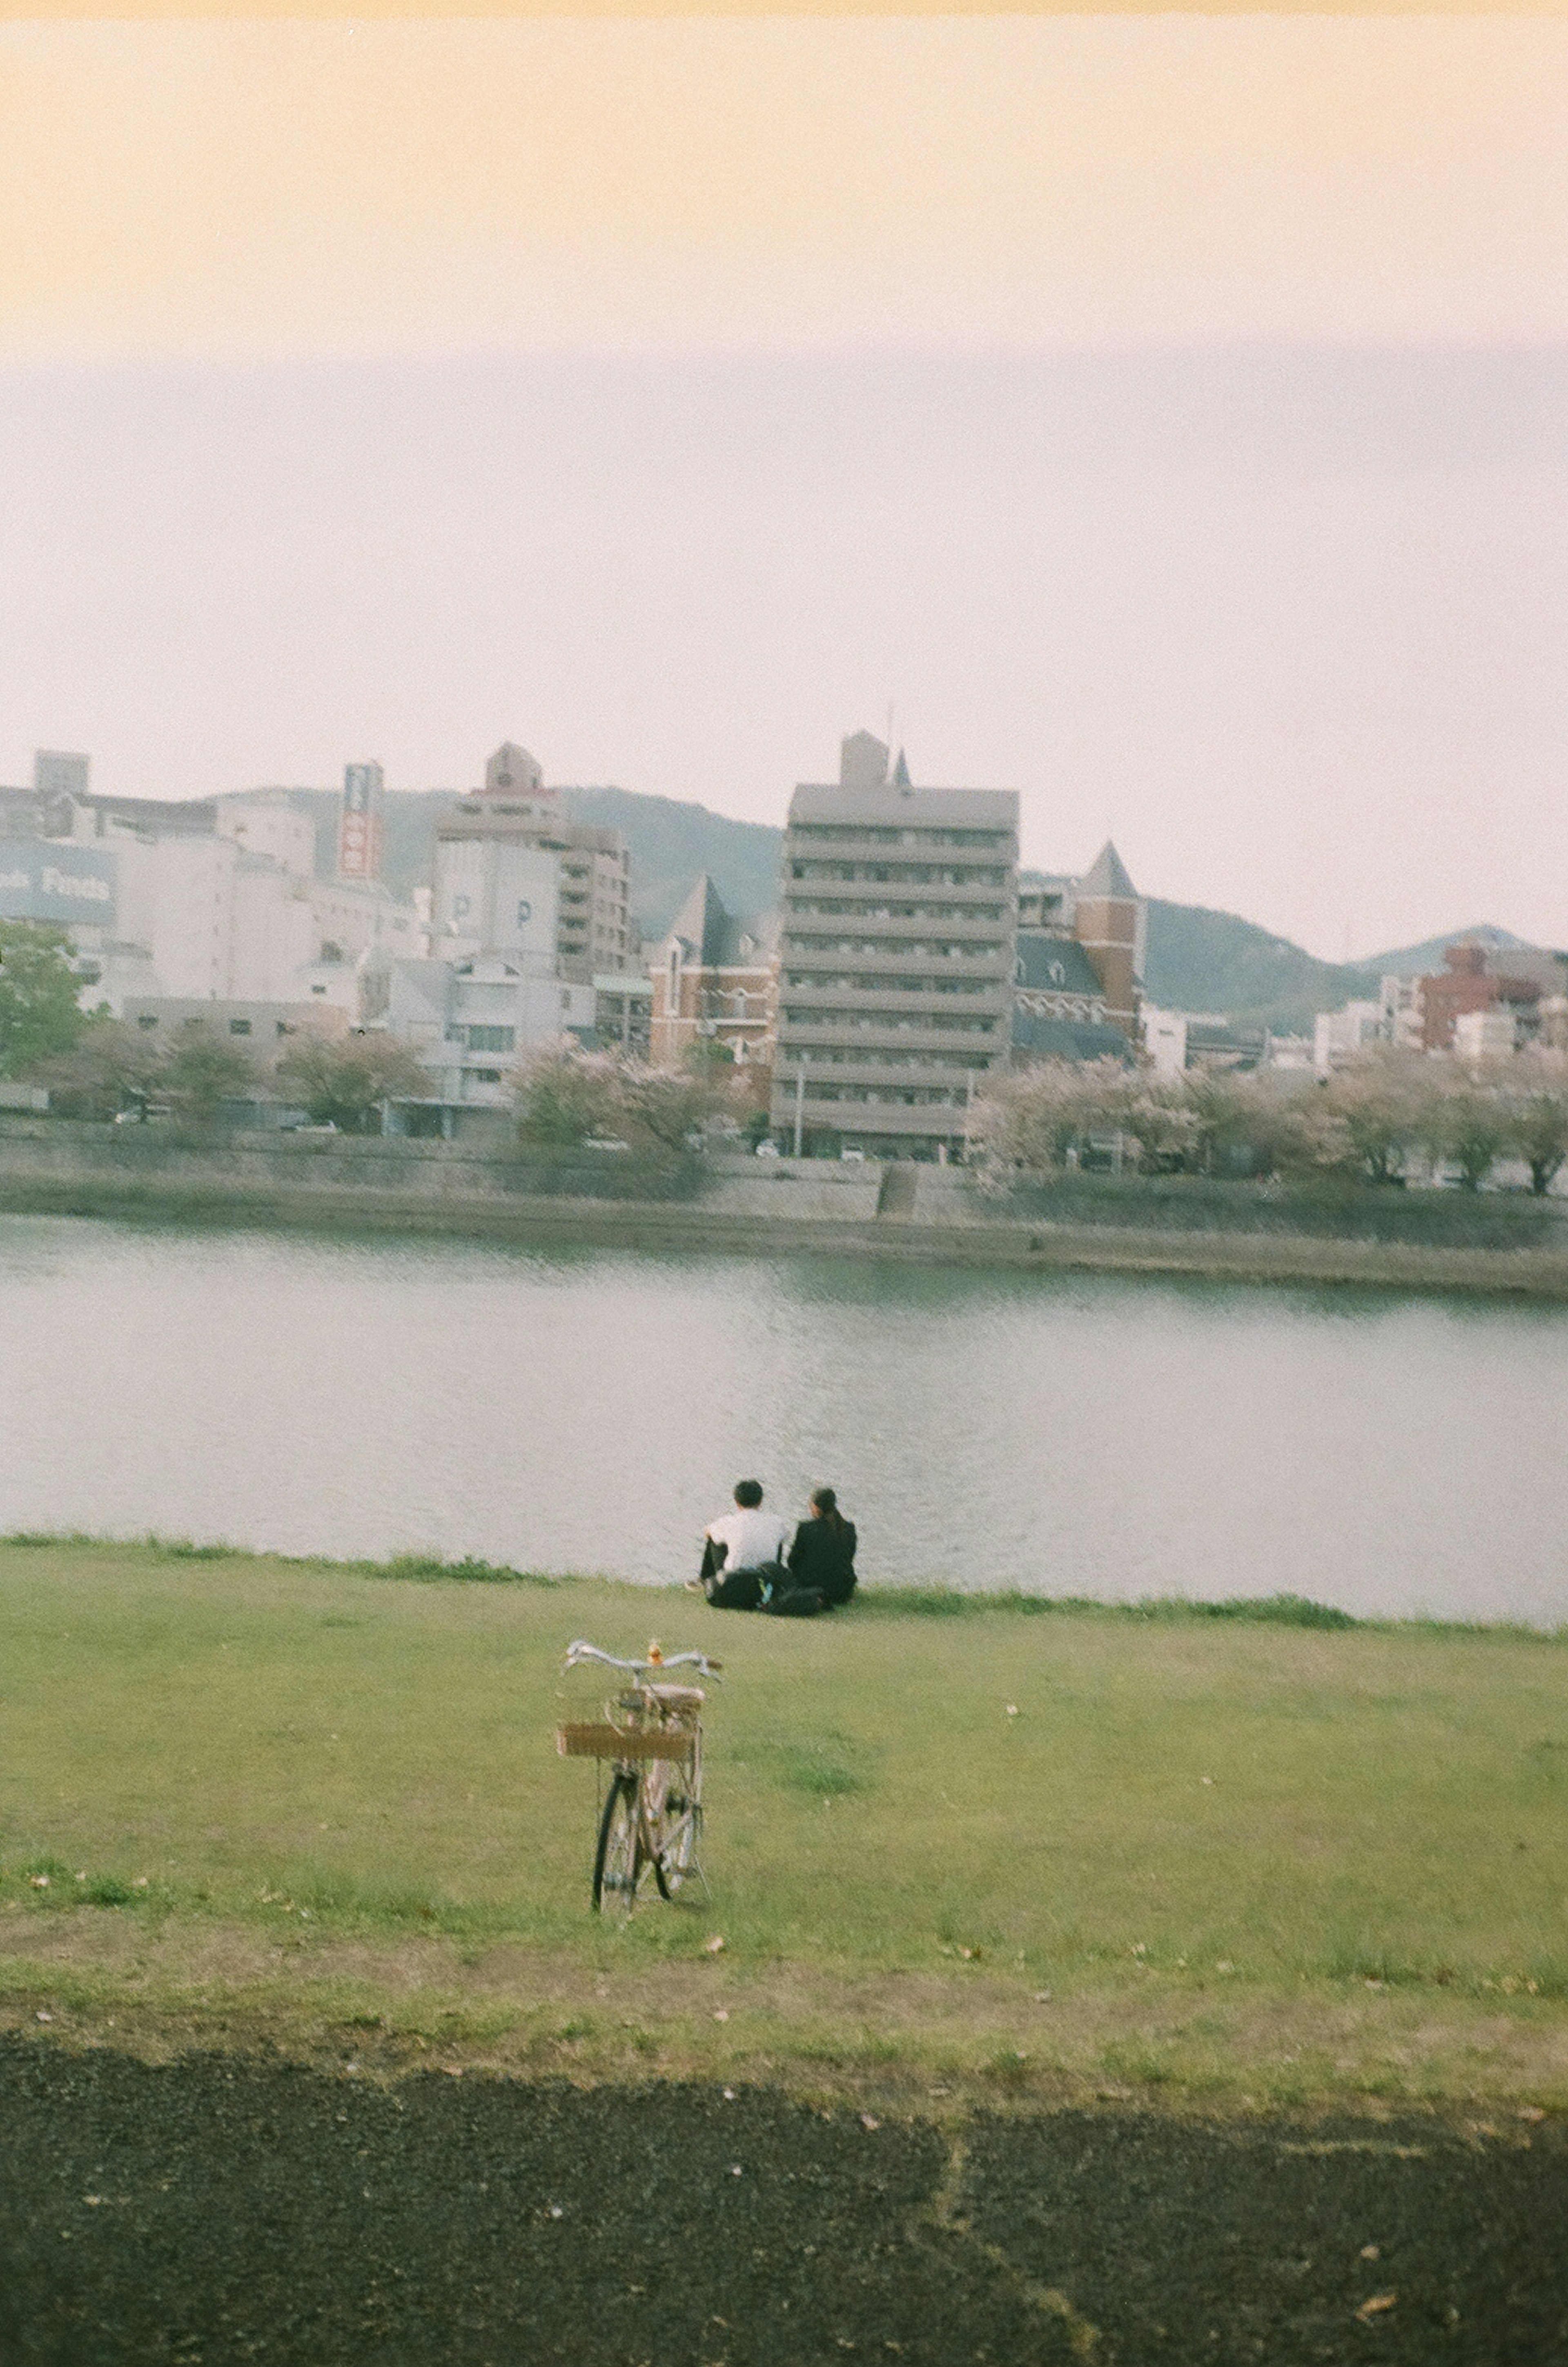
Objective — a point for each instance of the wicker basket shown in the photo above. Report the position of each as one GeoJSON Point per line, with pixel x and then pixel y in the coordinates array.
{"type": "Point", "coordinates": [601, 1740]}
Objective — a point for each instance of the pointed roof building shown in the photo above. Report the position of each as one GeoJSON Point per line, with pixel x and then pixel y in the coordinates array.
{"type": "Point", "coordinates": [1107, 877]}
{"type": "Point", "coordinates": [700, 925]}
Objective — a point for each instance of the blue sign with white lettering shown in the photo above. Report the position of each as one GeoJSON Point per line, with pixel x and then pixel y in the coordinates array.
{"type": "Point", "coordinates": [41, 881]}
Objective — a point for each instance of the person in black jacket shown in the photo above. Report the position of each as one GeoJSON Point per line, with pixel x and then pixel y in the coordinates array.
{"type": "Point", "coordinates": [823, 1553]}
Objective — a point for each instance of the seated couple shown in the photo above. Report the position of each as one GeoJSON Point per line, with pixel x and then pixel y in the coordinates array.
{"type": "Point", "coordinates": [753, 1562]}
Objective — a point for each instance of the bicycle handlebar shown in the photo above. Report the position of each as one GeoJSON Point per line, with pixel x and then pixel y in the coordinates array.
{"type": "Point", "coordinates": [580, 1652]}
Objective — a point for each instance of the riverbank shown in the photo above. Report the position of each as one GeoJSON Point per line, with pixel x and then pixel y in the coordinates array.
{"type": "Point", "coordinates": [1027, 1860]}
{"type": "Point", "coordinates": [1442, 1241]}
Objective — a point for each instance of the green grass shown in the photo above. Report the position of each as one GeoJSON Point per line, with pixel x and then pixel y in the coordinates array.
{"type": "Point", "coordinates": [239, 1794]}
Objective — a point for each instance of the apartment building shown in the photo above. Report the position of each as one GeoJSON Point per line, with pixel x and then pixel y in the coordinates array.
{"type": "Point", "coordinates": [593, 869]}
{"type": "Point", "coordinates": [897, 928]}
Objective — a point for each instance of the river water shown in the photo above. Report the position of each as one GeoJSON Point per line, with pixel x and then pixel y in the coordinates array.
{"type": "Point", "coordinates": [1068, 1434]}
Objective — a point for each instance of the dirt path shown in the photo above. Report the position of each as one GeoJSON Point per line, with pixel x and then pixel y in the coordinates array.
{"type": "Point", "coordinates": [215, 2210]}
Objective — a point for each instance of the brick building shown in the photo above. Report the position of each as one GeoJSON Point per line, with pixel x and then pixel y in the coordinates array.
{"type": "Point", "coordinates": [1469, 982]}
{"type": "Point", "coordinates": [1080, 960]}
{"type": "Point", "coordinates": [715, 979]}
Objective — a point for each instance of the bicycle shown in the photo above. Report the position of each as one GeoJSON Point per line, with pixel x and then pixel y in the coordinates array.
{"type": "Point", "coordinates": [652, 1738]}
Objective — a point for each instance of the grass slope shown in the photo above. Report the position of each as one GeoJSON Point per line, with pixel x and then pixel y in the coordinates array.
{"type": "Point", "coordinates": [1233, 1857]}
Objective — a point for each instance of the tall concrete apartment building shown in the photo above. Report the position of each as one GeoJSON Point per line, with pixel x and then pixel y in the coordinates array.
{"type": "Point", "coordinates": [897, 951]}
{"type": "Point", "coordinates": [515, 811]}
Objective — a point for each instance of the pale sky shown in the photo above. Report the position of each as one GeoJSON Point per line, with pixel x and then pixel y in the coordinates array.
{"type": "Point", "coordinates": [1166, 416]}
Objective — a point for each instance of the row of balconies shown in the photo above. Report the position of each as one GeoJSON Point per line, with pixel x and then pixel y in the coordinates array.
{"type": "Point", "coordinates": [874, 1030]}
{"type": "Point", "coordinates": [887, 1075]}
{"type": "Point", "coordinates": [861, 877]}
{"type": "Point", "coordinates": [851, 833]}
{"type": "Point", "coordinates": [893, 953]}
{"type": "Point", "coordinates": [896, 913]}
{"type": "Point", "coordinates": [859, 990]}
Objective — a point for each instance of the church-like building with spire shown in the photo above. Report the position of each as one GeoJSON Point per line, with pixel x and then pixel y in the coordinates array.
{"type": "Point", "coordinates": [1081, 962]}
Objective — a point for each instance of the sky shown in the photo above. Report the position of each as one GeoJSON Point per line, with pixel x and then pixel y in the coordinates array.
{"type": "Point", "coordinates": [1165, 416]}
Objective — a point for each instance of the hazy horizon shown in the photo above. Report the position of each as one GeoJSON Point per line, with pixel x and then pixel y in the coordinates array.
{"type": "Point", "coordinates": [1165, 416]}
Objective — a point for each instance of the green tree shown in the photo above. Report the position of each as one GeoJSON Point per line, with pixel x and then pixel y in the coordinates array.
{"type": "Point", "coordinates": [343, 1081]}
{"type": "Point", "coordinates": [1384, 1100]}
{"type": "Point", "coordinates": [564, 1095]}
{"type": "Point", "coordinates": [39, 1013]}
{"type": "Point", "coordinates": [669, 1106]}
{"type": "Point", "coordinates": [1471, 1123]}
{"type": "Point", "coordinates": [1024, 1121]}
{"type": "Point", "coordinates": [1537, 1093]}
{"type": "Point", "coordinates": [203, 1072]}
{"type": "Point", "coordinates": [1156, 1112]}
{"type": "Point", "coordinates": [113, 1068]}
{"type": "Point", "coordinates": [1265, 1122]}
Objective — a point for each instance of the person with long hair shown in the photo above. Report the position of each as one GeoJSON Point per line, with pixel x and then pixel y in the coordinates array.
{"type": "Point", "coordinates": [743, 1561]}
{"type": "Point", "coordinates": [823, 1553]}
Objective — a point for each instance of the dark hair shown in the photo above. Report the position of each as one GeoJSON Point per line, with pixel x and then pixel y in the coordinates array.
{"type": "Point", "coordinates": [748, 1494]}
{"type": "Point", "coordinates": [825, 1504]}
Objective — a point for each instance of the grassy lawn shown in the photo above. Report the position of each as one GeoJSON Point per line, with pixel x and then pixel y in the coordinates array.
{"type": "Point", "coordinates": [1002, 1852]}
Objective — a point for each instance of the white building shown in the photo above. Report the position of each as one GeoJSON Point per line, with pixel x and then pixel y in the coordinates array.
{"type": "Point", "coordinates": [1339, 1035]}
{"type": "Point", "coordinates": [1490, 1035]}
{"type": "Point", "coordinates": [1165, 1040]}
{"type": "Point", "coordinates": [467, 1022]}
{"type": "Point", "coordinates": [219, 900]}
{"type": "Point", "coordinates": [493, 983]}
{"type": "Point", "coordinates": [1402, 1018]}
{"type": "Point", "coordinates": [517, 813]}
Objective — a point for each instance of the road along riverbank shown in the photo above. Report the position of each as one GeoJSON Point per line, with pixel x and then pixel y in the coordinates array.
{"type": "Point", "coordinates": [1425, 1240]}
{"type": "Point", "coordinates": [221, 2209]}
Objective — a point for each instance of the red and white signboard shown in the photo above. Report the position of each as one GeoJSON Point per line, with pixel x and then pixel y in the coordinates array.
{"type": "Point", "coordinates": [359, 830]}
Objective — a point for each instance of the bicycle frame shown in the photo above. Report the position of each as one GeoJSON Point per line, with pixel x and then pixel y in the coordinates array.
{"type": "Point", "coordinates": [651, 1737]}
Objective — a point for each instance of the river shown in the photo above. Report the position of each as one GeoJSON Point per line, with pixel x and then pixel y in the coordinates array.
{"type": "Point", "coordinates": [1092, 1435]}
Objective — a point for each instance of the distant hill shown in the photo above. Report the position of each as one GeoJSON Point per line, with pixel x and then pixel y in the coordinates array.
{"type": "Point", "coordinates": [1202, 960]}
{"type": "Point", "coordinates": [1198, 959]}
{"type": "Point", "coordinates": [672, 842]}
{"type": "Point", "coordinates": [1416, 961]}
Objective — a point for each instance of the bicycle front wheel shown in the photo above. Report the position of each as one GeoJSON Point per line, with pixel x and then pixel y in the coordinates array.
{"type": "Point", "coordinates": [617, 1859]}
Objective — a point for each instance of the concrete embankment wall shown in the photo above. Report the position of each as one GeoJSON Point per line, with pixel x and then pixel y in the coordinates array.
{"type": "Point", "coordinates": [734, 1204]}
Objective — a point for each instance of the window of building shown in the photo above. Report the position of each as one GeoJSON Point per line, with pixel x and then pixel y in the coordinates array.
{"type": "Point", "coordinates": [485, 1076]}
{"type": "Point", "coordinates": [491, 1039]}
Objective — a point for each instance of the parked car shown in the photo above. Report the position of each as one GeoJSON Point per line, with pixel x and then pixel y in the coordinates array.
{"type": "Point", "coordinates": [766, 1150]}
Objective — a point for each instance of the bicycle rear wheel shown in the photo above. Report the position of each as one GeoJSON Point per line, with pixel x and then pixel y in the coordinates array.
{"type": "Point", "coordinates": [617, 1861]}
{"type": "Point", "coordinates": [681, 1826]}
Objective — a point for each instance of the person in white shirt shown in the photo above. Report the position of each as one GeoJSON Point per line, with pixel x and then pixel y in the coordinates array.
{"type": "Point", "coordinates": [743, 1561]}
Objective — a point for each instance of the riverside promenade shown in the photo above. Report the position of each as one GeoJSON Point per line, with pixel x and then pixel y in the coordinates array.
{"type": "Point", "coordinates": [729, 1202]}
